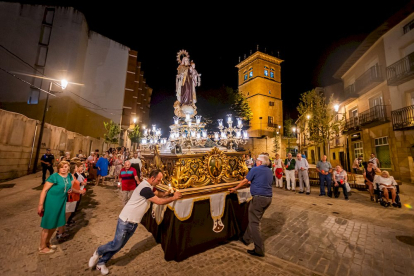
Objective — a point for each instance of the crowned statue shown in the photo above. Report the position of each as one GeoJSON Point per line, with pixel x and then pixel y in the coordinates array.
{"type": "Point", "coordinates": [186, 81]}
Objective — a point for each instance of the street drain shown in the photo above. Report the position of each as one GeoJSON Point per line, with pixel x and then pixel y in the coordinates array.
{"type": "Point", "coordinates": [4, 186]}
{"type": "Point", "coordinates": [406, 239]}
{"type": "Point", "coordinates": [336, 213]}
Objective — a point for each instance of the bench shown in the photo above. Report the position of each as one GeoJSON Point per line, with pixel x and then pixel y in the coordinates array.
{"type": "Point", "coordinates": [355, 180]}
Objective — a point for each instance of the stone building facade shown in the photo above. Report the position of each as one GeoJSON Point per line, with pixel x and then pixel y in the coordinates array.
{"type": "Point", "coordinates": [378, 97]}
{"type": "Point", "coordinates": [260, 82]}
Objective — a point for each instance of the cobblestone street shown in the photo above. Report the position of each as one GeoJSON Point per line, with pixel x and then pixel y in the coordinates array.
{"type": "Point", "coordinates": [304, 235]}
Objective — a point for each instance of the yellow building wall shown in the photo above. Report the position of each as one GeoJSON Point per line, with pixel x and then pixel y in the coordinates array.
{"type": "Point", "coordinates": [260, 90]}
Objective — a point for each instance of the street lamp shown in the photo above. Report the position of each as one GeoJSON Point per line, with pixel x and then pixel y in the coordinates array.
{"type": "Point", "coordinates": [308, 116]}
{"type": "Point", "coordinates": [336, 107]}
{"type": "Point", "coordinates": [63, 85]}
{"type": "Point", "coordinates": [135, 120]}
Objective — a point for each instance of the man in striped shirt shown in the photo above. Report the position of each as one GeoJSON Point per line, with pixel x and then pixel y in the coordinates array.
{"type": "Point", "coordinates": [129, 180]}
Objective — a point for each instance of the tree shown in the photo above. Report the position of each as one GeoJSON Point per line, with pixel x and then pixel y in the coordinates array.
{"type": "Point", "coordinates": [287, 125]}
{"type": "Point", "coordinates": [276, 142]}
{"type": "Point", "coordinates": [113, 130]}
{"type": "Point", "coordinates": [239, 104]}
{"type": "Point", "coordinates": [135, 134]}
{"type": "Point", "coordinates": [321, 124]}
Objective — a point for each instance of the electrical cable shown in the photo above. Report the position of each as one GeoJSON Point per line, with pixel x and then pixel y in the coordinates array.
{"type": "Point", "coordinates": [58, 84]}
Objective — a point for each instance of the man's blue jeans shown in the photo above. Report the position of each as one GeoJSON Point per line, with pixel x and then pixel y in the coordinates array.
{"type": "Point", "coordinates": [124, 230]}
{"type": "Point", "coordinates": [328, 179]}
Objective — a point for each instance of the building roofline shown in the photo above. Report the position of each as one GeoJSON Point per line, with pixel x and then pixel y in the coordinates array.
{"type": "Point", "coordinates": [259, 54]}
{"type": "Point", "coordinates": [373, 37]}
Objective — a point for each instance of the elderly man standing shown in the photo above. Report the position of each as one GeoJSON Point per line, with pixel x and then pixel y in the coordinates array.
{"type": "Point", "coordinates": [301, 169]}
{"type": "Point", "coordinates": [260, 179]}
{"type": "Point", "coordinates": [290, 172]}
{"type": "Point", "coordinates": [129, 218]}
{"type": "Point", "coordinates": [324, 169]}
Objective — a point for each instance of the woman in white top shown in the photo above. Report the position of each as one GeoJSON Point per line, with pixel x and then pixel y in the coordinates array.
{"type": "Point", "coordinates": [387, 184]}
{"type": "Point", "coordinates": [340, 177]}
{"type": "Point", "coordinates": [278, 170]}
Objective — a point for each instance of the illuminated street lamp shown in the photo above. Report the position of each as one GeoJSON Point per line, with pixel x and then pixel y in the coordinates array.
{"type": "Point", "coordinates": [63, 85]}
{"type": "Point", "coordinates": [308, 116]}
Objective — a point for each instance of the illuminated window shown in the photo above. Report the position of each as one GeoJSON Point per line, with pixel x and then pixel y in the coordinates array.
{"type": "Point", "coordinates": [272, 74]}
{"type": "Point", "coordinates": [251, 74]}
{"type": "Point", "coordinates": [245, 77]}
{"type": "Point", "coordinates": [266, 72]}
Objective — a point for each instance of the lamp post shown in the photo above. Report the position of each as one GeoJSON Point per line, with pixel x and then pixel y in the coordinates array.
{"type": "Point", "coordinates": [63, 85]}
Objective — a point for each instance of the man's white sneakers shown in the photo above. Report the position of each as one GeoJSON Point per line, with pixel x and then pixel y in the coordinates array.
{"type": "Point", "coordinates": [102, 268]}
{"type": "Point", "coordinates": [94, 259]}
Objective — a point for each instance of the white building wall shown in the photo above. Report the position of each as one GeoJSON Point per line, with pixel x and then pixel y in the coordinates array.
{"type": "Point", "coordinates": [74, 53]}
{"type": "Point", "coordinates": [398, 45]}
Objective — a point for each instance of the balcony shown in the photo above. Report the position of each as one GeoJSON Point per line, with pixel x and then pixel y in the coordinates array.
{"type": "Point", "coordinates": [403, 118]}
{"type": "Point", "coordinates": [374, 116]}
{"type": "Point", "coordinates": [352, 125]}
{"type": "Point", "coordinates": [349, 92]}
{"type": "Point", "coordinates": [401, 71]}
{"type": "Point", "coordinates": [272, 125]}
{"type": "Point", "coordinates": [369, 79]}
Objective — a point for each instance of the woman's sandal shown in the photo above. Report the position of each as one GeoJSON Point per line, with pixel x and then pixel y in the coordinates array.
{"type": "Point", "coordinates": [51, 246]}
{"type": "Point", "coordinates": [49, 251]}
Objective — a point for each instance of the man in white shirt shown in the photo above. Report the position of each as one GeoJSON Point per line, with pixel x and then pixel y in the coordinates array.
{"type": "Point", "coordinates": [301, 168]}
{"type": "Point", "coordinates": [129, 218]}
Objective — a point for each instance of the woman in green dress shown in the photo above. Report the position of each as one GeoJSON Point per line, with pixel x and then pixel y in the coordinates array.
{"type": "Point", "coordinates": [52, 205]}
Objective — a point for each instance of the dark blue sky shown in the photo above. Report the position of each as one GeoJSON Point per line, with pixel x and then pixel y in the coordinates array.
{"type": "Point", "coordinates": [313, 38]}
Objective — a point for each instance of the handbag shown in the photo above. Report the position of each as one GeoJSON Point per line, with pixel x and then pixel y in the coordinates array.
{"type": "Point", "coordinates": [348, 188]}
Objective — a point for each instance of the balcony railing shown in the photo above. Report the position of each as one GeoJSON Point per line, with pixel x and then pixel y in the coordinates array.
{"type": "Point", "coordinates": [369, 79]}
{"type": "Point", "coordinates": [403, 118]}
{"type": "Point", "coordinates": [352, 123]}
{"type": "Point", "coordinates": [272, 125]}
{"type": "Point", "coordinates": [374, 116]}
{"type": "Point", "coordinates": [401, 71]}
{"type": "Point", "coordinates": [349, 92]}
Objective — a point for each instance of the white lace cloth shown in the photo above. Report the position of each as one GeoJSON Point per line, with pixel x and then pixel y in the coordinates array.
{"type": "Point", "coordinates": [183, 208]}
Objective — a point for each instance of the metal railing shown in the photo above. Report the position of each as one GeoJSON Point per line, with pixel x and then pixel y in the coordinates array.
{"type": "Point", "coordinates": [374, 114]}
{"type": "Point", "coordinates": [369, 78]}
{"type": "Point", "coordinates": [352, 122]}
{"type": "Point", "coordinates": [349, 92]}
{"type": "Point", "coordinates": [403, 118]}
{"type": "Point", "coordinates": [401, 71]}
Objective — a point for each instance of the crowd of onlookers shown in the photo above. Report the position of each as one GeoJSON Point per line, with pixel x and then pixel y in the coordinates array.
{"type": "Point", "coordinates": [335, 179]}
{"type": "Point", "coordinates": [63, 190]}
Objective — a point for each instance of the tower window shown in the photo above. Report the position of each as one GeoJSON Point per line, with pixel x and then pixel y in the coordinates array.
{"type": "Point", "coordinates": [270, 121]}
{"type": "Point", "coordinates": [271, 103]}
{"type": "Point", "coordinates": [270, 92]}
{"type": "Point", "coordinates": [251, 74]}
{"type": "Point", "coordinates": [245, 77]}
{"type": "Point", "coordinates": [272, 74]}
{"type": "Point", "coordinates": [266, 72]}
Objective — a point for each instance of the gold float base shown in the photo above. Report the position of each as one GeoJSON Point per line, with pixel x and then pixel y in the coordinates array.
{"type": "Point", "coordinates": [198, 191]}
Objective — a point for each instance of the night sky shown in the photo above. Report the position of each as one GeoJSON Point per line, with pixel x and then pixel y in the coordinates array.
{"type": "Point", "coordinates": [313, 39]}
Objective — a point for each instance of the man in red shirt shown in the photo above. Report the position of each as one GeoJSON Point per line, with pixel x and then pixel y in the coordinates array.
{"type": "Point", "coordinates": [129, 180]}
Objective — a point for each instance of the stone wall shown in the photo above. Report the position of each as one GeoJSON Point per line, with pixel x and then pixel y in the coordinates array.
{"type": "Point", "coordinates": [16, 143]}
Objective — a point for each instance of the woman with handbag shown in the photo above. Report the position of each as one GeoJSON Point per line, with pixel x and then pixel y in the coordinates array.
{"type": "Point", "coordinates": [52, 205]}
{"type": "Point", "coordinates": [340, 179]}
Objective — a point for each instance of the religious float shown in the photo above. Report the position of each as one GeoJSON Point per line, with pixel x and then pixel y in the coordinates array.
{"type": "Point", "coordinates": [202, 168]}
